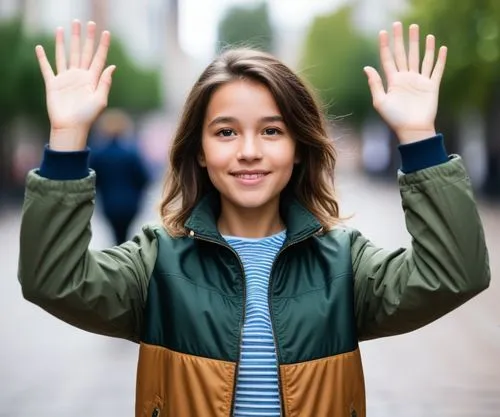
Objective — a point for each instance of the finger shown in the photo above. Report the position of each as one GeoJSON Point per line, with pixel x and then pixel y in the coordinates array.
{"type": "Point", "coordinates": [413, 52]}
{"type": "Point", "coordinates": [399, 47]}
{"type": "Point", "coordinates": [105, 84]}
{"type": "Point", "coordinates": [101, 55]}
{"type": "Point", "coordinates": [375, 84]}
{"type": "Point", "coordinates": [428, 61]}
{"type": "Point", "coordinates": [45, 67]}
{"type": "Point", "coordinates": [88, 48]}
{"type": "Point", "coordinates": [60, 51]}
{"type": "Point", "coordinates": [74, 57]}
{"type": "Point", "coordinates": [437, 74]}
{"type": "Point", "coordinates": [386, 58]}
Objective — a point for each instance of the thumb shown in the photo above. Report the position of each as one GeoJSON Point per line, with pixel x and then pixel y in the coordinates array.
{"type": "Point", "coordinates": [104, 84]}
{"type": "Point", "coordinates": [375, 84]}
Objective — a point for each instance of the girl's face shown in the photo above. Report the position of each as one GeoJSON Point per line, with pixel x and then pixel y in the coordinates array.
{"type": "Point", "coordinates": [246, 148]}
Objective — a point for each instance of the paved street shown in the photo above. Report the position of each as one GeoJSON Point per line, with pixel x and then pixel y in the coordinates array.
{"type": "Point", "coordinates": [448, 369]}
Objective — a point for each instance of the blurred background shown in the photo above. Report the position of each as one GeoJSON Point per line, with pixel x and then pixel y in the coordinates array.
{"type": "Point", "coordinates": [449, 368]}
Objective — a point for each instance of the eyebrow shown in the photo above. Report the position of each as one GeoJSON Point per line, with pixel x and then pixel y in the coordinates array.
{"type": "Point", "coordinates": [229, 119]}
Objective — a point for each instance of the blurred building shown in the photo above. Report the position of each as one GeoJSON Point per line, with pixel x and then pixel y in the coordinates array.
{"type": "Point", "coordinates": [374, 15]}
{"type": "Point", "coordinates": [140, 24]}
{"type": "Point", "coordinates": [370, 16]}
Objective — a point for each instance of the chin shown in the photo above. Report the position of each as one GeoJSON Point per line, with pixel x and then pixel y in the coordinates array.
{"type": "Point", "coordinates": [250, 201]}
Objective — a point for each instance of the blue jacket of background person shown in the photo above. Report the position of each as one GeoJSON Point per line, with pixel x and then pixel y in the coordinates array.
{"type": "Point", "coordinates": [121, 175]}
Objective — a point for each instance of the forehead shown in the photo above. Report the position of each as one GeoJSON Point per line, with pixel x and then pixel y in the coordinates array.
{"type": "Point", "coordinates": [242, 99]}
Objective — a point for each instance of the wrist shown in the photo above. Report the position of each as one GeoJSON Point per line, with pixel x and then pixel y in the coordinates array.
{"type": "Point", "coordinates": [62, 166]}
{"type": "Point", "coordinates": [68, 139]}
{"type": "Point", "coordinates": [423, 154]}
{"type": "Point", "coordinates": [408, 136]}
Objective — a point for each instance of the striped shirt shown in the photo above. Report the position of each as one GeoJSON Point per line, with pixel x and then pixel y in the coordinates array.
{"type": "Point", "coordinates": [257, 392]}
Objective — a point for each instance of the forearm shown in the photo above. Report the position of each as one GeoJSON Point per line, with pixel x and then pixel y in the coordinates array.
{"type": "Point", "coordinates": [99, 291]}
{"type": "Point", "coordinates": [54, 239]}
{"type": "Point", "coordinates": [446, 265]}
{"type": "Point", "coordinates": [442, 217]}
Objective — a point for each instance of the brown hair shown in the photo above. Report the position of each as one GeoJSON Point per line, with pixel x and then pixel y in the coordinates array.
{"type": "Point", "coordinates": [312, 179]}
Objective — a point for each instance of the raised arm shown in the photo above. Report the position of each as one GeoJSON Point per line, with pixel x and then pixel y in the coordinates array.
{"type": "Point", "coordinates": [99, 291]}
{"type": "Point", "coordinates": [447, 263]}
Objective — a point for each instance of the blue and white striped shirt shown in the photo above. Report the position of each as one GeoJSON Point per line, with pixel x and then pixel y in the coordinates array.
{"type": "Point", "coordinates": [257, 391]}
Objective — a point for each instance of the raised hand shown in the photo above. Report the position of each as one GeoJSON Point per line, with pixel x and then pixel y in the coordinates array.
{"type": "Point", "coordinates": [409, 102]}
{"type": "Point", "coordinates": [78, 93]}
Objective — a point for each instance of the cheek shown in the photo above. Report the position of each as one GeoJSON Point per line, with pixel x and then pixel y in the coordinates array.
{"type": "Point", "coordinates": [214, 156]}
{"type": "Point", "coordinates": [284, 157]}
{"type": "Point", "coordinates": [217, 161]}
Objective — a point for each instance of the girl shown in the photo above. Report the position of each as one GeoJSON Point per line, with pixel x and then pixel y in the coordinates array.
{"type": "Point", "coordinates": [250, 298]}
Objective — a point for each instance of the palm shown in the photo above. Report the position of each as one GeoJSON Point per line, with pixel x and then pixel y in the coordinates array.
{"type": "Point", "coordinates": [78, 93]}
{"type": "Point", "coordinates": [409, 102]}
{"type": "Point", "coordinates": [72, 99]}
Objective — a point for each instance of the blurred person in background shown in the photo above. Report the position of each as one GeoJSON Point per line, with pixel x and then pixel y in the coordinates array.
{"type": "Point", "coordinates": [251, 296]}
{"type": "Point", "coordinates": [121, 172]}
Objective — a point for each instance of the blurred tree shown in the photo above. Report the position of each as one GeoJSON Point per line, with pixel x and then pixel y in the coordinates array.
{"type": "Point", "coordinates": [134, 89]}
{"type": "Point", "coordinates": [246, 26]}
{"type": "Point", "coordinates": [22, 91]}
{"type": "Point", "coordinates": [472, 79]}
{"type": "Point", "coordinates": [333, 60]}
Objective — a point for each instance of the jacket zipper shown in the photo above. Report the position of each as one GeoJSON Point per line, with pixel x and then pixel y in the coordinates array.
{"type": "Point", "coordinates": [199, 237]}
{"type": "Point", "coordinates": [280, 389]}
{"type": "Point", "coordinates": [269, 292]}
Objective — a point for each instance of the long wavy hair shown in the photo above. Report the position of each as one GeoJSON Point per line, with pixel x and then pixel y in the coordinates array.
{"type": "Point", "coordinates": [312, 181]}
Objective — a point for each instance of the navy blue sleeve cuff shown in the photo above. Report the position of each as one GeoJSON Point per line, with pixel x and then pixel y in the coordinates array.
{"type": "Point", "coordinates": [423, 154]}
{"type": "Point", "coordinates": [64, 165]}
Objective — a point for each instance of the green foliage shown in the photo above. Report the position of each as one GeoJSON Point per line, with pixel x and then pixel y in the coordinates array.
{"type": "Point", "coordinates": [135, 89]}
{"type": "Point", "coordinates": [31, 90]}
{"type": "Point", "coordinates": [13, 71]}
{"type": "Point", "coordinates": [244, 26]}
{"type": "Point", "coordinates": [333, 61]}
{"type": "Point", "coordinates": [469, 28]}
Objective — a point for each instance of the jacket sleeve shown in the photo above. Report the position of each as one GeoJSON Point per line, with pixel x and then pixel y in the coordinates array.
{"type": "Point", "coordinates": [446, 264]}
{"type": "Point", "coordinates": [99, 291]}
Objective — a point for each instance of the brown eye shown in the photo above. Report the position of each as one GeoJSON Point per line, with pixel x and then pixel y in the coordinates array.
{"type": "Point", "coordinates": [271, 131]}
{"type": "Point", "coordinates": [225, 132]}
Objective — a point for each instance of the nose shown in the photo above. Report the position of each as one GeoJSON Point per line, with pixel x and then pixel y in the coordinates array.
{"type": "Point", "coordinates": [249, 148]}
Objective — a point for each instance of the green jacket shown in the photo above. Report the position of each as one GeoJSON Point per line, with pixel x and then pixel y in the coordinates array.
{"type": "Point", "coordinates": [183, 298]}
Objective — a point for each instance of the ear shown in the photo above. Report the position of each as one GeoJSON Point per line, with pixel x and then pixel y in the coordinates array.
{"type": "Point", "coordinates": [201, 159]}
{"type": "Point", "coordinates": [297, 159]}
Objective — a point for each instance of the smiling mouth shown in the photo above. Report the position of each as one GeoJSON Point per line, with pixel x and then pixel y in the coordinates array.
{"type": "Point", "coordinates": [250, 176]}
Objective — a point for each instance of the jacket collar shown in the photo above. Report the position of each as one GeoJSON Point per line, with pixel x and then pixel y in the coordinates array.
{"type": "Point", "coordinates": [300, 222]}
